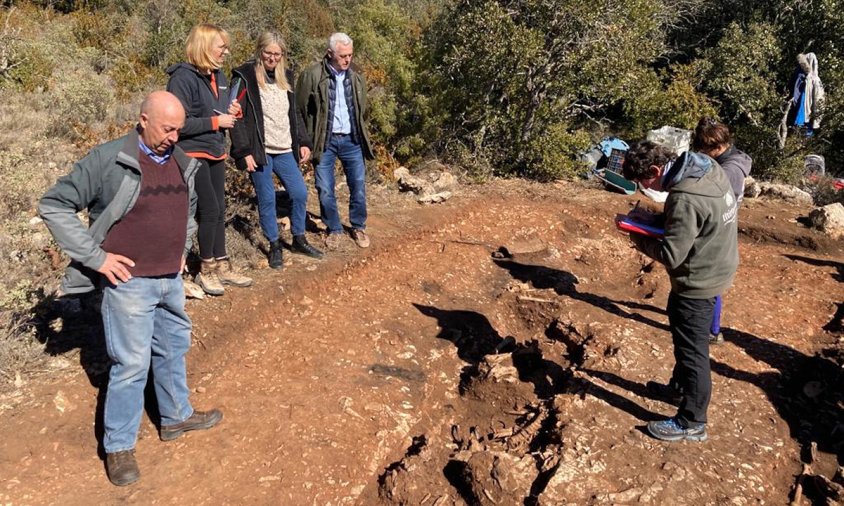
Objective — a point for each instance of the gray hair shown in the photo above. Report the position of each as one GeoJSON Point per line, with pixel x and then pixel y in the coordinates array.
{"type": "Point", "coordinates": [338, 39]}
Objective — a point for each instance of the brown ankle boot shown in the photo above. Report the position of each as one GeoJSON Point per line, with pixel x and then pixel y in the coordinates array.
{"type": "Point", "coordinates": [208, 278]}
{"type": "Point", "coordinates": [228, 276]}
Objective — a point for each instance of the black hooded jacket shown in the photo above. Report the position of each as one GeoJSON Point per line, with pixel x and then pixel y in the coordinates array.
{"type": "Point", "coordinates": [248, 132]}
{"type": "Point", "coordinates": [194, 91]}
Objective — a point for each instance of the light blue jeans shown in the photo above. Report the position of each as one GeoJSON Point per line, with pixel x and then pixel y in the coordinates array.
{"type": "Point", "coordinates": [351, 156]}
{"type": "Point", "coordinates": [284, 166]}
{"type": "Point", "coordinates": [145, 322]}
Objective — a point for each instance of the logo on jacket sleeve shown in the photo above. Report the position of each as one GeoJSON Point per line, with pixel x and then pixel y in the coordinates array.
{"type": "Point", "coordinates": [729, 215]}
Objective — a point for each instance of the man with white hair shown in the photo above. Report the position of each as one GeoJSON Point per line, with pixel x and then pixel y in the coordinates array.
{"type": "Point", "coordinates": [138, 191]}
{"type": "Point", "coordinates": [331, 98]}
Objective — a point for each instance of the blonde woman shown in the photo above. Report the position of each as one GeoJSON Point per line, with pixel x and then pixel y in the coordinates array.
{"type": "Point", "coordinates": [203, 90]}
{"type": "Point", "coordinates": [271, 139]}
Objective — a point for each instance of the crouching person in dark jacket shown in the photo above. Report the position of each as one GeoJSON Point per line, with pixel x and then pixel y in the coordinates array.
{"type": "Point", "coordinates": [271, 138]}
{"type": "Point", "coordinates": [138, 191]}
{"type": "Point", "coordinates": [700, 253]}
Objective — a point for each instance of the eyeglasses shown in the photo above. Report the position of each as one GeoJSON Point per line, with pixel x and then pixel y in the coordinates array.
{"type": "Point", "coordinates": [277, 56]}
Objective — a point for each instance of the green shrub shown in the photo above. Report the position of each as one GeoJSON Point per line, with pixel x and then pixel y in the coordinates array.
{"type": "Point", "coordinates": [81, 101]}
{"type": "Point", "coordinates": [553, 155]}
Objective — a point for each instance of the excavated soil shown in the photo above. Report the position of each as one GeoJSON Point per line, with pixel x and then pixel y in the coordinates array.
{"type": "Point", "coordinates": [490, 350]}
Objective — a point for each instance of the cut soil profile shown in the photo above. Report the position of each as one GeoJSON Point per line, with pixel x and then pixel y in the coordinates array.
{"type": "Point", "coordinates": [490, 350]}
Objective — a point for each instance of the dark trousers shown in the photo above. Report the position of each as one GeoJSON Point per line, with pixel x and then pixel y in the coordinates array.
{"type": "Point", "coordinates": [210, 184]}
{"type": "Point", "coordinates": [689, 320]}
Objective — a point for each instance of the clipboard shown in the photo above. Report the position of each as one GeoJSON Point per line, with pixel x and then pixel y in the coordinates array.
{"type": "Point", "coordinates": [237, 90]}
{"type": "Point", "coordinates": [626, 224]}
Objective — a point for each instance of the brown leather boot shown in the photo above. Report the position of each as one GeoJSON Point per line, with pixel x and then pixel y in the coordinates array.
{"type": "Point", "coordinates": [199, 420]}
{"type": "Point", "coordinates": [228, 276]}
{"type": "Point", "coordinates": [122, 468]}
{"type": "Point", "coordinates": [208, 278]}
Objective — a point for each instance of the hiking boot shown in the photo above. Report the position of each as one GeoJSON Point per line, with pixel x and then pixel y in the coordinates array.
{"type": "Point", "coordinates": [716, 338]}
{"type": "Point", "coordinates": [301, 245]}
{"type": "Point", "coordinates": [666, 393]}
{"type": "Point", "coordinates": [199, 420]}
{"type": "Point", "coordinates": [208, 279]}
{"type": "Point", "coordinates": [275, 258]}
{"type": "Point", "coordinates": [360, 238]}
{"type": "Point", "coordinates": [192, 290]}
{"type": "Point", "coordinates": [671, 430]}
{"type": "Point", "coordinates": [122, 468]}
{"type": "Point", "coordinates": [228, 276]}
{"type": "Point", "coordinates": [333, 240]}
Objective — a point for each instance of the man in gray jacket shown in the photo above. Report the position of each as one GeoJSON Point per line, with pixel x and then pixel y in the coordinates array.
{"type": "Point", "coordinates": [700, 252]}
{"type": "Point", "coordinates": [138, 191]}
{"type": "Point", "coordinates": [331, 98]}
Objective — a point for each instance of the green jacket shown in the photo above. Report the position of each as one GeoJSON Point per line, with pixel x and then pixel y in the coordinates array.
{"type": "Point", "coordinates": [700, 247]}
{"type": "Point", "coordinates": [312, 102]}
{"type": "Point", "coordinates": [107, 183]}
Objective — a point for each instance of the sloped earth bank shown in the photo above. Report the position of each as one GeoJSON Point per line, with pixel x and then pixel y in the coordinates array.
{"type": "Point", "coordinates": [492, 350]}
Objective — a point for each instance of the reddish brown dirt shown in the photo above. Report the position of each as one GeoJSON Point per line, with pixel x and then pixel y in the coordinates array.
{"type": "Point", "coordinates": [435, 368]}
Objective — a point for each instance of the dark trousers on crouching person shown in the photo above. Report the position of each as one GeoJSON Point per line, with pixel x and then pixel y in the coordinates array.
{"type": "Point", "coordinates": [690, 320]}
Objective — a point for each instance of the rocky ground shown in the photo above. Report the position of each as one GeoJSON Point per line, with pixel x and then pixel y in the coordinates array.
{"type": "Point", "coordinates": [492, 349]}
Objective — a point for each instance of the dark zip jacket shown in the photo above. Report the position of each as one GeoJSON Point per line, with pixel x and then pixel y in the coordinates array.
{"type": "Point", "coordinates": [194, 91]}
{"type": "Point", "coordinates": [248, 133]}
{"type": "Point", "coordinates": [313, 102]}
{"type": "Point", "coordinates": [700, 247]}
{"type": "Point", "coordinates": [107, 183]}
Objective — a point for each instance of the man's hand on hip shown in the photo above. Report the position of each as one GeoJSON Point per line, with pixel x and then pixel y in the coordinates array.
{"type": "Point", "coordinates": [114, 268]}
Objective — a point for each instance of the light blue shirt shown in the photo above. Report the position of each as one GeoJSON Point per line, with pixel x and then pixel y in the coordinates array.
{"type": "Point", "coordinates": [341, 124]}
{"type": "Point", "coordinates": [159, 159]}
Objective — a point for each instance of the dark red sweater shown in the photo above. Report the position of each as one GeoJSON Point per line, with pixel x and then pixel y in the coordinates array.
{"type": "Point", "coordinates": [153, 232]}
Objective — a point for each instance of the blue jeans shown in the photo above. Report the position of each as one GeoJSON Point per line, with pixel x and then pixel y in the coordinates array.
{"type": "Point", "coordinates": [144, 321]}
{"type": "Point", "coordinates": [284, 166]}
{"type": "Point", "coordinates": [351, 156]}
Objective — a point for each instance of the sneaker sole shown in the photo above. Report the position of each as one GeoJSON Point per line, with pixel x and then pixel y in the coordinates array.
{"type": "Point", "coordinates": [239, 285]}
{"type": "Point", "coordinates": [126, 481]}
{"type": "Point", "coordinates": [696, 438]}
{"type": "Point", "coordinates": [309, 255]}
{"type": "Point", "coordinates": [169, 436]}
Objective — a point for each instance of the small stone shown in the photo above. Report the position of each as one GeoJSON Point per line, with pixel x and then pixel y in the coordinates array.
{"type": "Point", "coordinates": [200, 390]}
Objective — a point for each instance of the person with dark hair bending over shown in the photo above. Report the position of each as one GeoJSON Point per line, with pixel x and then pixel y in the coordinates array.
{"type": "Point", "coordinates": [714, 139]}
{"type": "Point", "coordinates": [203, 90]}
{"type": "Point", "coordinates": [272, 138]}
{"type": "Point", "coordinates": [700, 253]}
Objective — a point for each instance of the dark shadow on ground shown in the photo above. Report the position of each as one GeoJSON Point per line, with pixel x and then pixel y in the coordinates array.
{"type": "Point", "coordinates": [618, 401]}
{"type": "Point", "coordinates": [818, 262]}
{"type": "Point", "coordinates": [475, 338]}
{"type": "Point", "coordinates": [564, 283]}
{"type": "Point", "coordinates": [72, 326]}
{"type": "Point", "coordinates": [805, 390]}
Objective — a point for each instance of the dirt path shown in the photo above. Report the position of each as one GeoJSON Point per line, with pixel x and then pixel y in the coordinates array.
{"type": "Point", "coordinates": [390, 375]}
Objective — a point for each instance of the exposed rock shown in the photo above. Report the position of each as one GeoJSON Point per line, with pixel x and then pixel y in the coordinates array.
{"type": "Point", "coordinates": [435, 198]}
{"type": "Point", "coordinates": [521, 245]}
{"type": "Point", "coordinates": [751, 188]}
{"type": "Point", "coordinates": [411, 183]}
{"type": "Point", "coordinates": [444, 181]}
{"type": "Point", "coordinates": [785, 192]}
{"type": "Point", "coordinates": [499, 478]}
{"type": "Point", "coordinates": [829, 219]}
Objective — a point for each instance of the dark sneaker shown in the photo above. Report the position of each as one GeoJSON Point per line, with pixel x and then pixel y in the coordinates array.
{"type": "Point", "coordinates": [301, 245]}
{"type": "Point", "coordinates": [360, 238]}
{"type": "Point", "coordinates": [276, 261]}
{"type": "Point", "coordinates": [122, 468]}
{"type": "Point", "coordinates": [671, 430]}
{"type": "Point", "coordinates": [716, 338]}
{"type": "Point", "coordinates": [666, 393]}
{"type": "Point", "coordinates": [199, 420]}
